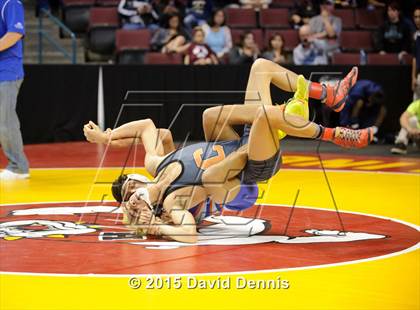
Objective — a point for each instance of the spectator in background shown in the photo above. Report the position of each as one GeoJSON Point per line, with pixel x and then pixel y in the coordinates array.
{"type": "Point", "coordinates": [12, 30]}
{"type": "Point", "coordinates": [394, 35]}
{"type": "Point", "coordinates": [364, 107]}
{"type": "Point", "coordinates": [255, 4]}
{"type": "Point", "coordinates": [172, 38]}
{"type": "Point", "coordinates": [138, 15]}
{"type": "Point", "coordinates": [326, 27]}
{"type": "Point", "coordinates": [302, 12]}
{"type": "Point", "coordinates": [166, 8]}
{"type": "Point", "coordinates": [415, 70]}
{"type": "Point", "coordinates": [198, 52]}
{"type": "Point", "coordinates": [410, 128]}
{"type": "Point", "coordinates": [275, 51]}
{"type": "Point", "coordinates": [310, 51]}
{"type": "Point", "coordinates": [197, 13]}
{"type": "Point", "coordinates": [247, 50]}
{"type": "Point", "coordinates": [217, 34]}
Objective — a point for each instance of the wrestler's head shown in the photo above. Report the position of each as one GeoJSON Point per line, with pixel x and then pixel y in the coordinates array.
{"type": "Point", "coordinates": [126, 184]}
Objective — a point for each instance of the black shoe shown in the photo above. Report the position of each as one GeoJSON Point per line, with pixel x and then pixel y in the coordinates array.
{"type": "Point", "coordinates": [399, 148]}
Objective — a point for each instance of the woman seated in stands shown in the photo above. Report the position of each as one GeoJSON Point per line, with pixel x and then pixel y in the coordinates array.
{"type": "Point", "coordinates": [172, 38]}
{"type": "Point", "coordinates": [217, 34]}
{"type": "Point", "coordinates": [275, 51]}
{"type": "Point", "coordinates": [246, 52]}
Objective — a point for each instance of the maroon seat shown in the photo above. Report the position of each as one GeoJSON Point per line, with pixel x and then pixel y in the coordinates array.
{"type": "Point", "coordinates": [407, 59]}
{"type": "Point", "coordinates": [347, 18]}
{"type": "Point", "coordinates": [67, 3]}
{"type": "Point", "coordinates": [103, 17]}
{"type": "Point", "coordinates": [162, 59]}
{"type": "Point", "coordinates": [101, 34]}
{"type": "Point", "coordinates": [291, 38]}
{"type": "Point", "coordinates": [107, 2]}
{"type": "Point", "coordinates": [241, 18]}
{"type": "Point", "coordinates": [282, 3]}
{"type": "Point", "coordinates": [356, 40]}
{"type": "Point", "coordinates": [274, 18]}
{"type": "Point", "coordinates": [369, 19]}
{"type": "Point", "coordinates": [258, 36]}
{"type": "Point", "coordinates": [386, 59]}
{"type": "Point", "coordinates": [346, 59]}
{"type": "Point", "coordinates": [132, 40]}
{"type": "Point", "coordinates": [75, 14]}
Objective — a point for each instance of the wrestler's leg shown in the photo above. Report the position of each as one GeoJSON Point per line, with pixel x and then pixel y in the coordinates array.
{"type": "Point", "coordinates": [221, 181]}
{"type": "Point", "coordinates": [263, 140]}
{"type": "Point", "coordinates": [231, 115]}
{"type": "Point", "coordinates": [218, 121]}
{"type": "Point", "coordinates": [264, 72]}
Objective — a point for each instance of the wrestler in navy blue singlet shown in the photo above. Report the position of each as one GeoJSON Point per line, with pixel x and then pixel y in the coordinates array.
{"type": "Point", "coordinates": [195, 158]}
{"type": "Point", "coordinates": [192, 169]}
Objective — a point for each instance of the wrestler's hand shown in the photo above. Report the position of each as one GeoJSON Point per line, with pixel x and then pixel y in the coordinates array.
{"type": "Point", "coordinates": [134, 206]}
{"type": "Point", "coordinates": [146, 216]}
{"type": "Point", "coordinates": [94, 134]}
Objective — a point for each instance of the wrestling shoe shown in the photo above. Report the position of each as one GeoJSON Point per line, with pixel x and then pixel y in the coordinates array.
{"type": "Point", "coordinates": [349, 138]}
{"type": "Point", "coordinates": [337, 94]}
{"type": "Point", "coordinates": [399, 148]}
{"type": "Point", "coordinates": [298, 105]}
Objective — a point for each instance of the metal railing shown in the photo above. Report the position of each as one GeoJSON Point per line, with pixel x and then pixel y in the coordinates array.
{"type": "Point", "coordinates": [44, 34]}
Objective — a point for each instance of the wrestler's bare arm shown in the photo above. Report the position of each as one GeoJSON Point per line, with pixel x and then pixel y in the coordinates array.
{"type": "Point", "coordinates": [176, 223]}
{"type": "Point", "coordinates": [183, 228]}
{"type": "Point", "coordinates": [156, 141]}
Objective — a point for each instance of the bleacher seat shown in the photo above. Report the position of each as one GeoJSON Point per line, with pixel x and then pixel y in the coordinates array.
{"type": "Point", "coordinates": [407, 59]}
{"type": "Point", "coordinates": [369, 19]}
{"type": "Point", "coordinates": [274, 18]}
{"type": "Point", "coordinates": [241, 18]}
{"type": "Point", "coordinates": [347, 18]}
{"type": "Point", "coordinates": [282, 3]}
{"type": "Point", "coordinates": [291, 37]}
{"type": "Point", "coordinates": [345, 59]}
{"type": "Point", "coordinates": [162, 59]}
{"type": "Point", "coordinates": [258, 36]}
{"type": "Point", "coordinates": [75, 14]}
{"type": "Point", "coordinates": [107, 2]}
{"type": "Point", "coordinates": [102, 26]}
{"type": "Point", "coordinates": [379, 59]}
{"type": "Point", "coordinates": [131, 45]}
{"type": "Point", "coordinates": [356, 40]}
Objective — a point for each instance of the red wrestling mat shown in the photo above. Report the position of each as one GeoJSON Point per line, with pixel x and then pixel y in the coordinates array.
{"type": "Point", "coordinates": [71, 241]}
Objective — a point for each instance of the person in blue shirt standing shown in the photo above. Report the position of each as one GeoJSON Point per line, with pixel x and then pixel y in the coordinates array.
{"type": "Point", "coordinates": [12, 30]}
